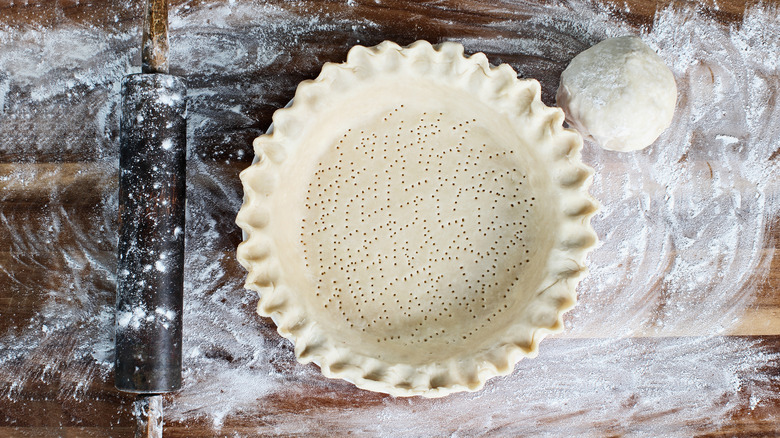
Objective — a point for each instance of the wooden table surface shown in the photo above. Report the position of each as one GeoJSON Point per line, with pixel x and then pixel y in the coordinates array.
{"type": "Point", "coordinates": [46, 166]}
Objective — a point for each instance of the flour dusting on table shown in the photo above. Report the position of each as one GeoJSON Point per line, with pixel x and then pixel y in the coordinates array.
{"type": "Point", "coordinates": [683, 226]}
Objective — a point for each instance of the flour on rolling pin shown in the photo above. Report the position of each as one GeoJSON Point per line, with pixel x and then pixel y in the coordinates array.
{"type": "Point", "coordinates": [697, 204]}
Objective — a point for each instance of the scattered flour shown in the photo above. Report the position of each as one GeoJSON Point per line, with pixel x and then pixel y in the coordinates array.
{"type": "Point", "coordinates": [683, 228]}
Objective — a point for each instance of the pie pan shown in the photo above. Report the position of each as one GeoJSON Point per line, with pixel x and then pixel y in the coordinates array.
{"type": "Point", "coordinates": [416, 220]}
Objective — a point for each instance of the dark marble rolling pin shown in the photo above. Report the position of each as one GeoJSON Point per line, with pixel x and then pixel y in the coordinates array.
{"type": "Point", "coordinates": [152, 163]}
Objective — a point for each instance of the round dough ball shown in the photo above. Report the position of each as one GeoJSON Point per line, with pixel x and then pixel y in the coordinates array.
{"type": "Point", "coordinates": [619, 93]}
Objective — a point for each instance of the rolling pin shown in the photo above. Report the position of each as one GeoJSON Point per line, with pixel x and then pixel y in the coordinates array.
{"type": "Point", "coordinates": [150, 271]}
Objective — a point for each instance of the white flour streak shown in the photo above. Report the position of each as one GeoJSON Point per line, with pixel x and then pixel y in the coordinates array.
{"type": "Point", "coordinates": [82, 52]}
{"type": "Point", "coordinates": [683, 229]}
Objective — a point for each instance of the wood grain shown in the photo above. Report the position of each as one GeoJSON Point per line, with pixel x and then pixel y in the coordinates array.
{"type": "Point", "coordinates": [38, 186]}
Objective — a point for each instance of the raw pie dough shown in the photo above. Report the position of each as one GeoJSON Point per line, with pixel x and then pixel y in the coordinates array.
{"type": "Point", "coordinates": [416, 221]}
{"type": "Point", "coordinates": [618, 93]}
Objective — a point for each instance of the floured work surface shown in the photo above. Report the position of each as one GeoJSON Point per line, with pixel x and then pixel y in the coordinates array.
{"type": "Point", "coordinates": [688, 227]}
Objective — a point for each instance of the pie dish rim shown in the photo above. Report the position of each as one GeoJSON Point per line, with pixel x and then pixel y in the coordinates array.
{"type": "Point", "coordinates": [571, 179]}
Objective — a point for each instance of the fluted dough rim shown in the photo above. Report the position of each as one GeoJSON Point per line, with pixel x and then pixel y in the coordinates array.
{"type": "Point", "coordinates": [497, 86]}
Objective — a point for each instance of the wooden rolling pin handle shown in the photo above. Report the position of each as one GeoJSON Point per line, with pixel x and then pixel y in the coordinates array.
{"type": "Point", "coordinates": [154, 41]}
{"type": "Point", "coordinates": [148, 413]}
{"type": "Point", "coordinates": [150, 272]}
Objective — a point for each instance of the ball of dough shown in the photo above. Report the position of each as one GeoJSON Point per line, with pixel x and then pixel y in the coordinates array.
{"type": "Point", "coordinates": [618, 93]}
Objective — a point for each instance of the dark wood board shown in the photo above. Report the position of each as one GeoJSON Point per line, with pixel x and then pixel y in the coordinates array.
{"type": "Point", "coordinates": [62, 177]}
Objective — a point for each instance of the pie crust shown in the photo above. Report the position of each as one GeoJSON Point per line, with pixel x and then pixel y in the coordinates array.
{"type": "Point", "coordinates": [416, 221]}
